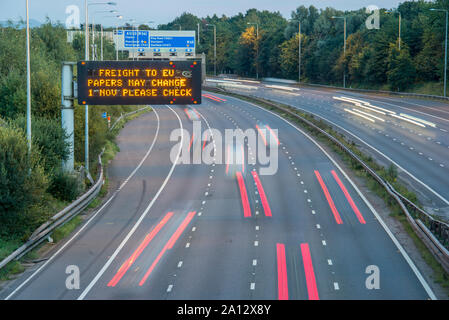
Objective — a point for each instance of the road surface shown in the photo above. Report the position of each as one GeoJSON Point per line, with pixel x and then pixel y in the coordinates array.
{"type": "Point", "coordinates": [415, 139]}
{"type": "Point", "coordinates": [212, 231]}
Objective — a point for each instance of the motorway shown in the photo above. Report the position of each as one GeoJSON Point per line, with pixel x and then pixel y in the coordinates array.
{"type": "Point", "coordinates": [212, 231]}
{"type": "Point", "coordinates": [411, 133]}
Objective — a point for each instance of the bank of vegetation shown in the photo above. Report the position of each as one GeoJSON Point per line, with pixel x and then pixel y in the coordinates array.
{"type": "Point", "coordinates": [33, 186]}
{"type": "Point", "coordinates": [372, 60]}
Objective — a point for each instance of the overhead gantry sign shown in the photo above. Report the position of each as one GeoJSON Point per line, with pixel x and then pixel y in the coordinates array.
{"type": "Point", "coordinates": [139, 82]}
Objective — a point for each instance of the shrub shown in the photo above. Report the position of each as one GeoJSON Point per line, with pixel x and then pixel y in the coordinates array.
{"type": "Point", "coordinates": [49, 137]}
{"type": "Point", "coordinates": [65, 186]}
{"type": "Point", "coordinates": [22, 182]}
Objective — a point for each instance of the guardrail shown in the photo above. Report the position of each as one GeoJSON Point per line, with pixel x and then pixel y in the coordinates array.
{"type": "Point", "coordinates": [65, 215]}
{"type": "Point", "coordinates": [434, 233]}
{"type": "Point", "coordinates": [125, 115]}
{"type": "Point", "coordinates": [409, 94]}
{"type": "Point", "coordinates": [59, 219]}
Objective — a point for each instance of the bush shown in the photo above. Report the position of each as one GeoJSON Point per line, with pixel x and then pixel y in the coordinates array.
{"type": "Point", "coordinates": [49, 138]}
{"type": "Point", "coordinates": [22, 183]}
{"type": "Point", "coordinates": [65, 186]}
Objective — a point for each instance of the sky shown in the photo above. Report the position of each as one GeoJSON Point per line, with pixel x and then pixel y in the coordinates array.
{"type": "Point", "coordinates": [165, 11]}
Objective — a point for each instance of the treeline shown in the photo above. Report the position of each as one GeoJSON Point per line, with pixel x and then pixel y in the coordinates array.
{"type": "Point", "coordinates": [32, 185]}
{"type": "Point", "coordinates": [372, 59]}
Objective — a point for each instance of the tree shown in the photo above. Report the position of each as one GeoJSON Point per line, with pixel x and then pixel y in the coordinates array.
{"type": "Point", "coordinates": [401, 72]}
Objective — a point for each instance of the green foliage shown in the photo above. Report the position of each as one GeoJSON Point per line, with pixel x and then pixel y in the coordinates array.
{"type": "Point", "coordinates": [49, 138]}
{"type": "Point", "coordinates": [22, 182]}
{"type": "Point", "coordinates": [401, 72]}
{"type": "Point", "coordinates": [65, 186]}
{"type": "Point", "coordinates": [372, 58]}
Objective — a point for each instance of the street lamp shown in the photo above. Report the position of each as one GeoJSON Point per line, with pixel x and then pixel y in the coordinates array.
{"type": "Point", "coordinates": [101, 34]}
{"type": "Point", "coordinates": [119, 17]}
{"type": "Point", "coordinates": [445, 49]}
{"type": "Point", "coordinates": [215, 46]}
{"type": "Point", "coordinates": [86, 57]}
{"type": "Point", "coordinates": [299, 49]}
{"type": "Point", "coordinates": [400, 19]}
{"type": "Point", "coordinates": [344, 45]}
{"type": "Point", "coordinates": [176, 24]}
{"type": "Point", "coordinates": [257, 48]}
{"type": "Point", "coordinates": [28, 79]}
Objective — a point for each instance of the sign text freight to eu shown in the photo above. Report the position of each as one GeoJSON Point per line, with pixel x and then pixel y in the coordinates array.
{"type": "Point", "coordinates": [139, 82]}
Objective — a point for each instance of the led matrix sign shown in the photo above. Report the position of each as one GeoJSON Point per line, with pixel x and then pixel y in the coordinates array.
{"type": "Point", "coordinates": [139, 82]}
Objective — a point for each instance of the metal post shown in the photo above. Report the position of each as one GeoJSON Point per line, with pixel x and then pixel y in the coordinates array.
{"type": "Point", "coordinates": [86, 107]}
{"type": "Point", "coordinates": [67, 113]}
{"type": "Point", "coordinates": [198, 39]}
{"type": "Point", "coordinates": [344, 54]}
{"type": "Point", "coordinates": [257, 54]}
{"type": "Point", "coordinates": [400, 18]}
{"type": "Point", "coordinates": [86, 33]}
{"type": "Point", "coordinates": [28, 79]}
{"type": "Point", "coordinates": [101, 40]}
{"type": "Point", "coordinates": [94, 52]}
{"type": "Point", "coordinates": [137, 54]}
{"type": "Point", "coordinates": [445, 56]}
{"type": "Point", "coordinates": [116, 46]}
{"type": "Point", "coordinates": [215, 50]}
{"type": "Point", "coordinates": [299, 52]}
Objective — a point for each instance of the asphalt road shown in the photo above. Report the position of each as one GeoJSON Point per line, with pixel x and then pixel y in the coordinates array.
{"type": "Point", "coordinates": [421, 154]}
{"type": "Point", "coordinates": [212, 231]}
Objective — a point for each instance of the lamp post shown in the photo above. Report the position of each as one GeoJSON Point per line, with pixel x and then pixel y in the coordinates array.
{"type": "Point", "coordinates": [86, 57]}
{"type": "Point", "coordinates": [344, 45]}
{"type": "Point", "coordinates": [119, 17]}
{"type": "Point", "coordinates": [198, 39]}
{"type": "Point", "coordinates": [215, 47]}
{"type": "Point", "coordinates": [445, 49]}
{"type": "Point", "coordinates": [28, 78]}
{"type": "Point", "coordinates": [257, 48]}
{"type": "Point", "coordinates": [399, 28]}
{"type": "Point", "coordinates": [101, 33]}
{"type": "Point", "coordinates": [177, 24]}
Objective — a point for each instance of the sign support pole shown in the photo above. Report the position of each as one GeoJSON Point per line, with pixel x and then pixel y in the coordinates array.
{"type": "Point", "coordinates": [67, 113]}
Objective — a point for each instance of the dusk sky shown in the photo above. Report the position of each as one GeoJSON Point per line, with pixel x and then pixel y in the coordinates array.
{"type": "Point", "coordinates": [164, 11]}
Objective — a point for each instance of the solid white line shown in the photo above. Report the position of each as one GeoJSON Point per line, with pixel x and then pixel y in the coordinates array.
{"type": "Point", "coordinates": [136, 225]}
{"type": "Point", "coordinates": [95, 215]}
{"type": "Point", "coordinates": [378, 217]}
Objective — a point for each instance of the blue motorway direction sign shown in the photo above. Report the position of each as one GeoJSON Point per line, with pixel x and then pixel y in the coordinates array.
{"type": "Point", "coordinates": [136, 39]}
{"type": "Point", "coordinates": [172, 42]}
